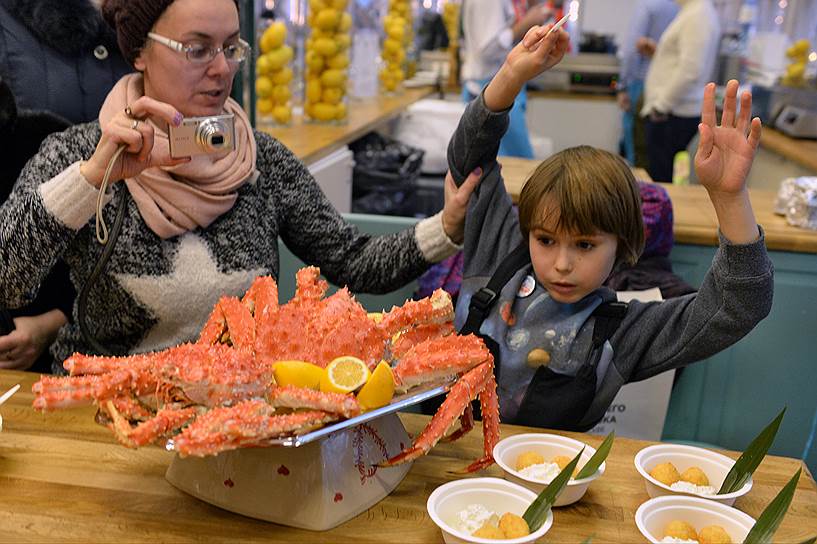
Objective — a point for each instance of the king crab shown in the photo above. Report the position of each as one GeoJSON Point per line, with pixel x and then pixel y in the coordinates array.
{"type": "Point", "coordinates": [219, 393]}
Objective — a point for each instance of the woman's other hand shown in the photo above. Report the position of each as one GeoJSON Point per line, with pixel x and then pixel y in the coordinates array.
{"type": "Point", "coordinates": [131, 129]}
{"type": "Point", "coordinates": [456, 204]}
{"type": "Point", "coordinates": [31, 336]}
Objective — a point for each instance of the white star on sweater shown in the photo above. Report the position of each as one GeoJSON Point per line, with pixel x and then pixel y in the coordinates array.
{"type": "Point", "coordinates": [182, 300]}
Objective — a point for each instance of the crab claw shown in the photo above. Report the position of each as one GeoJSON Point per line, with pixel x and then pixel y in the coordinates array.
{"type": "Point", "coordinates": [477, 382]}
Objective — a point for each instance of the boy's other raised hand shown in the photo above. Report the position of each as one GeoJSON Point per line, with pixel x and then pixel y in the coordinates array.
{"type": "Point", "coordinates": [537, 52]}
{"type": "Point", "coordinates": [724, 158]}
{"type": "Point", "coordinates": [725, 152]}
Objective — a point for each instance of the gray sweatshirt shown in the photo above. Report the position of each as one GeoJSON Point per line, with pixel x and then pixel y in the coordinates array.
{"type": "Point", "coordinates": [156, 293]}
{"type": "Point", "coordinates": [653, 337]}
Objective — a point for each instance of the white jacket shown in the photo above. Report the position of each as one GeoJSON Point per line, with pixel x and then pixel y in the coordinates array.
{"type": "Point", "coordinates": [684, 61]}
{"type": "Point", "coordinates": [487, 38]}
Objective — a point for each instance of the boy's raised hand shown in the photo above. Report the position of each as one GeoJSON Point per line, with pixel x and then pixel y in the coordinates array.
{"type": "Point", "coordinates": [725, 152]}
{"type": "Point", "coordinates": [724, 158]}
{"type": "Point", "coordinates": [538, 51]}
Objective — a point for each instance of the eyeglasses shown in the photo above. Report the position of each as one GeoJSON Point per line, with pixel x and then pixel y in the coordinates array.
{"type": "Point", "coordinates": [202, 54]}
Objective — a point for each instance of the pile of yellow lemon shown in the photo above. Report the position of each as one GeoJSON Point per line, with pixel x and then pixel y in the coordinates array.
{"type": "Point", "coordinates": [451, 20]}
{"type": "Point", "coordinates": [345, 374]}
{"type": "Point", "coordinates": [273, 75]}
{"type": "Point", "coordinates": [399, 35]}
{"type": "Point", "coordinates": [327, 60]}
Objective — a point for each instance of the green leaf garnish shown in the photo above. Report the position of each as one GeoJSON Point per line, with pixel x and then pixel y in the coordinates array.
{"type": "Point", "coordinates": [750, 459]}
{"type": "Point", "coordinates": [598, 458]}
{"type": "Point", "coordinates": [536, 514]}
{"type": "Point", "coordinates": [589, 539]}
{"type": "Point", "coordinates": [770, 519]}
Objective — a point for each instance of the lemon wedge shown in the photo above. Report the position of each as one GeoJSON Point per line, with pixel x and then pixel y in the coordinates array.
{"type": "Point", "coordinates": [297, 373]}
{"type": "Point", "coordinates": [344, 375]}
{"type": "Point", "coordinates": [379, 389]}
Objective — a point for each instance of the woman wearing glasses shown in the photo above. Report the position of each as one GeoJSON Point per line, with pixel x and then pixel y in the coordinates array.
{"type": "Point", "coordinates": [194, 228]}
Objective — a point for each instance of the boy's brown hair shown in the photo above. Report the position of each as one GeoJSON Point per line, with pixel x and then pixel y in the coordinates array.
{"type": "Point", "coordinates": [594, 190]}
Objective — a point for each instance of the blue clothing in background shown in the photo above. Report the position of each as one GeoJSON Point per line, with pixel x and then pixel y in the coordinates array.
{"type": "Point", "coordinates": [515, 142]}
{"type": "Point", "coordinates": [652, 17]}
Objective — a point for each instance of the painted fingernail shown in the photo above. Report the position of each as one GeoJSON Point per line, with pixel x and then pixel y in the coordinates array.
{"type": "Point", "coordinates": [478, 171]}
{"type": "Point", "coordinates": [177, 119]}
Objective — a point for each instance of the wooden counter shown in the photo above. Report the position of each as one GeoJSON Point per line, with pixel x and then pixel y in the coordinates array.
{"type": "Point", "coordinates": [311, 142]}
{"type": "Point", "coordinates": [694, 217]}
{"type": "Point", "coordinates": [802, 152]}
{"type": "Point", "coordinates": [63, 478]}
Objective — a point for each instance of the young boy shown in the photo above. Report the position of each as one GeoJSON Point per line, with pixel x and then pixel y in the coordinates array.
{"type": "Point", "coordinates": [563, 348]}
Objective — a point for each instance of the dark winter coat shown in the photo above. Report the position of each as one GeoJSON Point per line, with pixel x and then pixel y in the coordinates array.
{"type": "Point", "coordinates": [58, 56]}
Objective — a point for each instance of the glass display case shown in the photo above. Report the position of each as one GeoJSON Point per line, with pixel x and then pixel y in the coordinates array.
{"type": "Point", "coordinates": [278, 63]}
{"type": "Point", "coordinates": [326, 61]}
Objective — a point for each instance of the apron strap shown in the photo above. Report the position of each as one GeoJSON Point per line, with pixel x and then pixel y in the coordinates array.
{"type": "Point", "coordinates": [483, 300]}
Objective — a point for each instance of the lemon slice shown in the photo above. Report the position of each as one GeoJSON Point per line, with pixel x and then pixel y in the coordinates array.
{"type": "Point", "coordinates": [379, 390]}
{"type": "Point", "coordinates": [344, 375]}
{"type": "Point", "coordinates": [297, 373]}
{"type": "Point", "coordinates": [375, 316]}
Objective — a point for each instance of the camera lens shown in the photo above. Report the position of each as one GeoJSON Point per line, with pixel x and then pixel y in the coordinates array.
{"type": "Point", "coordinates": [213, 135]}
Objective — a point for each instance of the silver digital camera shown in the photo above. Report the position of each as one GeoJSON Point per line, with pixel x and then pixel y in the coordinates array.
{"type": "Point", "coordinates": [199, 135]}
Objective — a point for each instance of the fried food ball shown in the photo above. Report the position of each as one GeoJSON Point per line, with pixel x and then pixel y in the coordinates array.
{"type": "Point", "coordinates": [489, 531]}
{"type": "Point", "coordinates": [562, 461]}
{"type": "Point", "coordinates": [666, 473]}
{"type": "Point", "coordinates": [714, 534]}
{"type": "Point", "coordinates": [680, 529]}
{"type": "Point", "coordinates": [695, 475]}
{"type": "Point", "coordinates": [513, 526]}
{"type": "Point", "coordinates": [527, 459]}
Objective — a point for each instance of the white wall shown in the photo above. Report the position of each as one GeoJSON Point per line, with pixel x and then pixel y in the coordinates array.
{"type": "Point", "coordinates": [607, 17]}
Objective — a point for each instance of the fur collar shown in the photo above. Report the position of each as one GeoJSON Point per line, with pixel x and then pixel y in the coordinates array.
{"type": "Point", "coordinates": [69, 26]}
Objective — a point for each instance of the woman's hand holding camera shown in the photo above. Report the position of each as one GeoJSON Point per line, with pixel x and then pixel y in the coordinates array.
{"type": "Point", "coordinates": [130, 129]}
{"type": "Point", "coordinates": [537, 52]}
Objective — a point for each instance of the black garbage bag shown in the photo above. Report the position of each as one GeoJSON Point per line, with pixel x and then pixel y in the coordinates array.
{"type": "Point", "coordinates": [385, 175]}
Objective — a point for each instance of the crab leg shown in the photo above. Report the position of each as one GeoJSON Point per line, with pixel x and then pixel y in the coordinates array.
{"type": "Point", "coordinates": [439, 358]}
{"type": "Point", "coordinates": [466, 424]}
{"type": "Point", "coordinates": [489, 405]}
{"type": "Point", "coordinates": [301, 397]}
{"type": "Point", "coordinates": [230, 320]}
{"type": "Point", "coordinates": [163, 423]}
{"type": "Point", "coordinates": [249, 423]}
{"type": "Point", "coordinates": [434, 309]}
{"type": "Point", "coordinates": [472, 383]}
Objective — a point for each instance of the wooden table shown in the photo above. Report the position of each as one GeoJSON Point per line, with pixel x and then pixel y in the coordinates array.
{"type": "Point", "coordinates": [63, 478]}
{"type": "Point", "coordinates": [803, 152]}
{"type": "Point", "coordinates": [695, 221]}
{"type": "Point", "coordinates": [311, 142]}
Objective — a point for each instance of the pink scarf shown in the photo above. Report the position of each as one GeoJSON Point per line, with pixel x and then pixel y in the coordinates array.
{"type": "Point", "coordinates": [196, 193]}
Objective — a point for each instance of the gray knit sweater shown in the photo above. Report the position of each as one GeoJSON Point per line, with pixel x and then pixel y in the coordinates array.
{"type": "Point", "coordinates": [654, 337]}
{"type": "Point", "coordinates": [156, 293]}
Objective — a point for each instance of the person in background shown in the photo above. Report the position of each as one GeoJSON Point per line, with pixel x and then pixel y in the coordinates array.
{"type": "Point", "coordinates": [193, 228]}
{"type": "Point", "coordinates": [683, 63]}
{"type": "Point", "coordinates": [490, 28]}
{"type": "Point", "coordinates": [58, 56]}
{"type": "Point", "coordinates": [650, 20]}
{"type": "Point", "coordinates": [562, 345]}
{"type": "Point", "coordinates": [35, 325]}
{"type": "Point", "coordinates": [58, 61]}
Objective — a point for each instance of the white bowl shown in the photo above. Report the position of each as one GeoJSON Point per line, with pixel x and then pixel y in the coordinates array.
{"type": "Point", "coordinates": [714, 465]}
{"type": "Point", "coordinates": [495, 494]}
{"type": "Point", "coordinates": [653, 516]}
{"type": "Point", "coordinates": [548, 446]}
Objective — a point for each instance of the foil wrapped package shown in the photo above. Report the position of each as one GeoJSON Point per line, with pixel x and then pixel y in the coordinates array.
{"type": "Point", "coordinates": [797, 200]}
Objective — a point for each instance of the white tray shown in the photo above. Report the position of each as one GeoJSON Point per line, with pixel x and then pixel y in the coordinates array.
{"type": "Point", "coordinates": [314, 481]}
